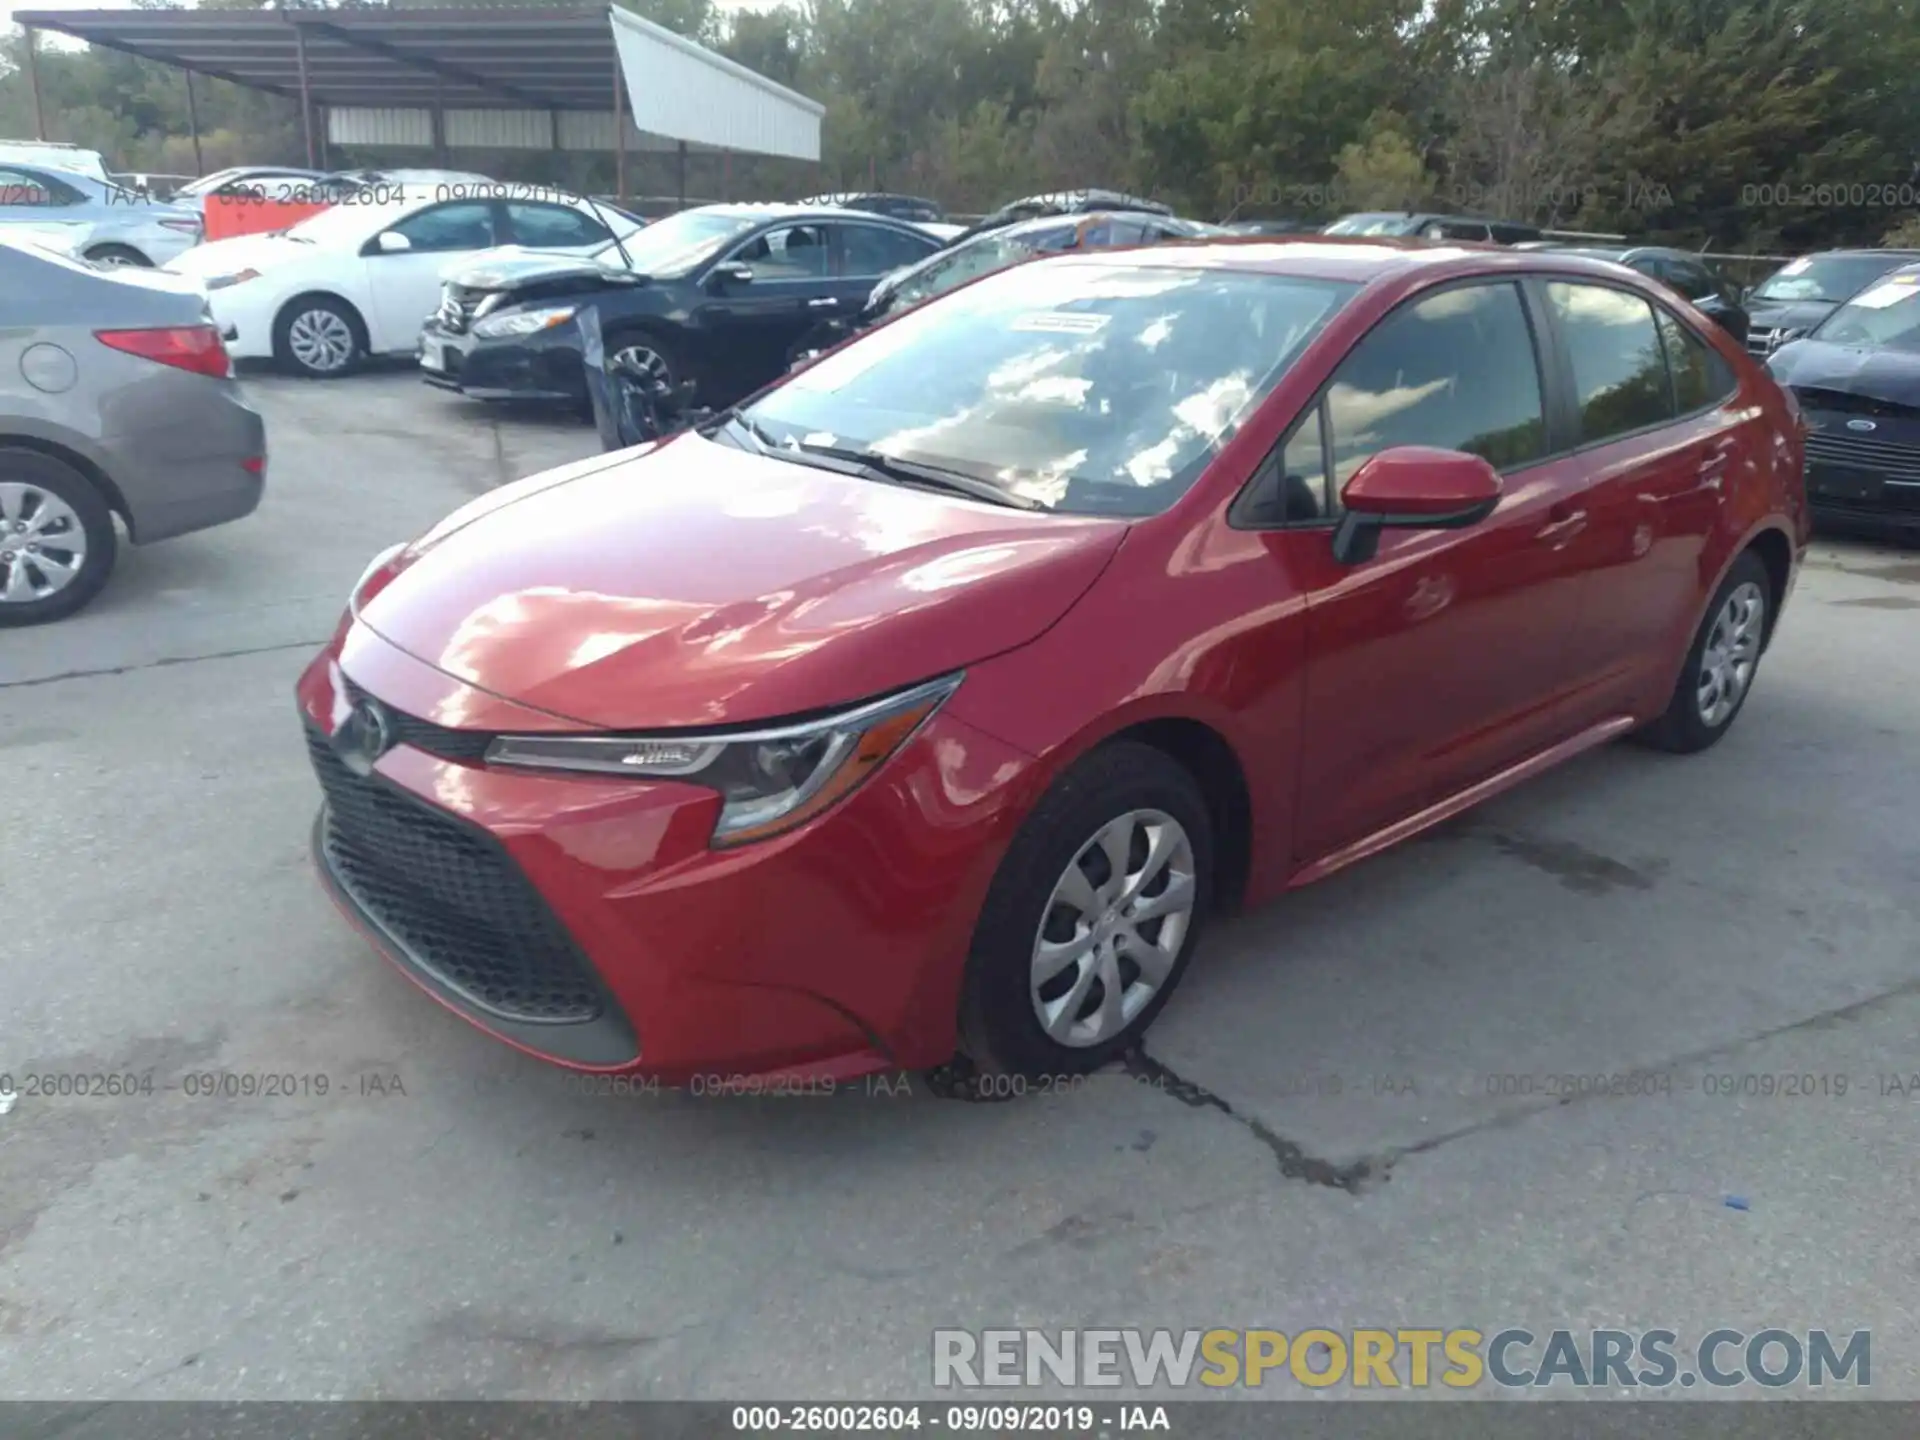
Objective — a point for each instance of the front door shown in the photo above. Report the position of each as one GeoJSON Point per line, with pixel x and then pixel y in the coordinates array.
{"type": "Point", "coordinates": [404, 285]}
{"type": "Point", "coordinates": [751, 324]}
{"type": "Point", "coordinates": [1444, 658]}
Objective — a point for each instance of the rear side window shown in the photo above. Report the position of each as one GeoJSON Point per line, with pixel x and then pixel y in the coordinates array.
{"type": "Point", "coordinates": [1457, 370]}
{"type": "Point", "coordinates": [875, 250]}
{"type": "Point", "coordinates": [1700, 376]}
{"type": "Point", "coordinates": [553, 226]}
{"type": "Point", "coordinates": [1619, 365]}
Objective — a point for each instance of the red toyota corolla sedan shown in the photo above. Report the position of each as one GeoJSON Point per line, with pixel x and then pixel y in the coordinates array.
{"type": "Point", "coordinates": [932, 700]}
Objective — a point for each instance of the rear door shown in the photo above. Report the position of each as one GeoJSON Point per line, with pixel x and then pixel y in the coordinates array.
{"type": "Point", "coordinates": [1445, 657]}
{"type": "Point", "coordinates": [1659, 436]}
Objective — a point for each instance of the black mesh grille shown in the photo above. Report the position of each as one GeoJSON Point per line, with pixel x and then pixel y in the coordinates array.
{"type": "Point", "coordinates": [467, 746]}
{"type": "Point", "coordinates": [452, 897]}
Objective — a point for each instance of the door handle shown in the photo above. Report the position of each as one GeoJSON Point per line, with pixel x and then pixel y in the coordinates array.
{"type": "Point", "coordinates": [823, 302]}
{"type": "Point", "coordinates": [1559, 531]}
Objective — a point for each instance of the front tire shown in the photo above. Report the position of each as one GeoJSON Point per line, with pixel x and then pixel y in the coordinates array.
{"type": "Point", "coordinates": [1091, 918]}
{"type": "Point", "coordinates": [319, 337]}
{"type": "Point", "coordinates": [118, 255]}
{"type": "Point", "coordinates": [57, 541]}
{"type": "Point", "coordinates": [1721, 663]}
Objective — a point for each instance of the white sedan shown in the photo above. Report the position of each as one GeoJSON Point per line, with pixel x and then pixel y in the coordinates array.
{"type": "Point", "coordinates": [358, 279]}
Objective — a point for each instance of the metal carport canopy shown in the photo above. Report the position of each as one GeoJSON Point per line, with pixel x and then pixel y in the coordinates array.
{"type": "Point", "coordinates": [542, 62]}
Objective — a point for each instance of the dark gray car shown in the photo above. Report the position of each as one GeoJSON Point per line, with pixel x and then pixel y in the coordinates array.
{"type": "Point", "coordinates": [116, 399]}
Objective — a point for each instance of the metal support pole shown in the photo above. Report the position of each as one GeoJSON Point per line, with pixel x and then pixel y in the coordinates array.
{"type": "Point", "coordinates": [439, 123]}
{"type": "Point", "coordinates": [193, 125]}
{"type": "Point", "coordinates": [619, 131]}
{"type": "Point", "coordinates": [306, 96]}
{"type": "Point", "coordinates": [683, 174]}
{"type": "Point", "coordinates": [33, 81]}
{"type": "Point", "coordinates": [726, 175]}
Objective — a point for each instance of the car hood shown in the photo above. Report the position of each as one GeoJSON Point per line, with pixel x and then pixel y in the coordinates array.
{"type": "Point", "coordinates": [242, 252]}
{"type": "Point", "coordinates": [694, 585]}
{"type": "Point", "coordinates": [1788, 314]}
{"type": "Point", "coordinates": [1892, 376]}
{"type": "Point", "coordinates": [511, 266]}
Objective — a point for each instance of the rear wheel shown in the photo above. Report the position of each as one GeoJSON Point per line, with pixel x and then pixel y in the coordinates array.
{"type": "Point", "coordinates": [1091, 918]}
{"type": "Point", "coordinates": [57, 540]}
{"type": "Point", "coordinates": [1725, 656]}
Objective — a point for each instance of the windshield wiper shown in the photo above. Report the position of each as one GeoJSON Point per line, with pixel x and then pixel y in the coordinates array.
{"type": "Point", "coordinates": [928, 477]}
{"type": "Point", "coordinates": [758, 440]}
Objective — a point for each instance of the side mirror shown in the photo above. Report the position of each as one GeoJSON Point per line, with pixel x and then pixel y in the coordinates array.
{"type": "Point", "coordinates": [1412, 487]}
{"type": "Point", "coordinates": [729, 272]}
{"type": "Point", "coordinates": [392, 242]}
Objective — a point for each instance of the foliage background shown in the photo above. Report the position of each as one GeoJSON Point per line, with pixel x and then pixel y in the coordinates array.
{"type": "Point", "coordinates": [1732, 124]}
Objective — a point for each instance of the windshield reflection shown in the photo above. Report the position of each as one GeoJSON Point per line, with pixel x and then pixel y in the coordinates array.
{"type": "Point", "coordinates": [1087, 387]}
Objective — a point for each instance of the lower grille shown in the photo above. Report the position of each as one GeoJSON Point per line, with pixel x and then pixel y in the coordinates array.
{"type": "Point", "coordinates": [1889, 459]}
{"type": "Point", "coordinates": [452, 898]}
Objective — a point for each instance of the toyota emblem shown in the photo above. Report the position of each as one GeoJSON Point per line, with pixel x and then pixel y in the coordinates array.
{"type": "Point", "coordinates": [1861, 425]}
{"type": "Point", "coordinates": [363, 737]}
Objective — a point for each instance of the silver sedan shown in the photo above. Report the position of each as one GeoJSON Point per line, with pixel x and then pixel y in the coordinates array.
{"type": "Point", "coordinates": [122, 405]}
{"type": "Point", "coordinates": [103, 222]}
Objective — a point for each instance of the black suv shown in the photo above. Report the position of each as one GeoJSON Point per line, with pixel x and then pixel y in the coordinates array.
{"type": "Point", "coordinates": [1794, 299]}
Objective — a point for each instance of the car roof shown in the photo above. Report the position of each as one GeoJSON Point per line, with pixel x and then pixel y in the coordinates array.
{"type": "Point", "coordinates": [1358, 260]}
{"type": "Point", "coordinates": [797, 209]}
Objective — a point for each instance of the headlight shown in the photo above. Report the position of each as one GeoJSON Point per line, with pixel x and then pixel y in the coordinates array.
{"type": "Point", "coordinates": [381, 568]}
{"type": "Point", "coordinates": [524, 322]}
{"type": "Point", "coordinates": [769, 780]}
{"type": "Point", "coordinates": [239, 277]}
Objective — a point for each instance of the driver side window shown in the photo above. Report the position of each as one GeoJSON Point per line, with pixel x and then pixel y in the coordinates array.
{"type": "Point", "coordinates": [789, 252]}
{"type": "Point", "coordinates": [458, 225]}
{"type": "Point", "coordinates": [1456, 371]}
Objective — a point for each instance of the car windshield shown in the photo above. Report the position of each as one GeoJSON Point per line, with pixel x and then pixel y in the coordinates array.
{"type": "Point", "coordinates": [1884, 316]}
{"type": "Point", "coordinates": [677, 244]}
{"type": "Point", "coordinates": [1369, 225]}
{"type": "Point", "coordinates": [1088, 388]}
{"type": "Point", "coordinates": [979, 257]}
{"type": "Point", "coordinates": [1829, 278]}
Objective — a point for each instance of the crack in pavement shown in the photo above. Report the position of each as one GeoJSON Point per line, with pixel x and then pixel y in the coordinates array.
{"type": "Point", "coordinates": [1354, 1177]}
{"type": "Point", "coordinates": [160, 664]}
{"type": "Point", "coordinates": [1295, 1163]}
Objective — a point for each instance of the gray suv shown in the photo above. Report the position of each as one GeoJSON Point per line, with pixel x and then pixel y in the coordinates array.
{"type": "Point", "coordinates": [117, 398]}
{"type": "Point", "coordinates": [95, 218]}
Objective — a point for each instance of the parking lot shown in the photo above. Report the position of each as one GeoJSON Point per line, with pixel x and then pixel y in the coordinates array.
{"type": "Point", "coordinates": [1351, 1114]}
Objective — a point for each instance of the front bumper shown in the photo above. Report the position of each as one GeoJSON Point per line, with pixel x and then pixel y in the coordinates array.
{"type": "Point", "coordinates": [544, 367]}
{"type": "Point", "coordinates": [1863, 476]}
{"type": "Point", "coordinates": [832, 951]}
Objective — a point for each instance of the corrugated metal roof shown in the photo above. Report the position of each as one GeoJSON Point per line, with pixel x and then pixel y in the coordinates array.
{"type": "Point", "coordinates": [469, 59]}
{"type": "Point", "coordinates": [681, 89]}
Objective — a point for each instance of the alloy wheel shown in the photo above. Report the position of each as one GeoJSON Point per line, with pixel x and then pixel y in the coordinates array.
{"type": "Point", "coordinates": [1731, 653]}
{"type": "Point", "coordinates": [645, 359]}
{"type": "Point", "coordinates": [321, 340]}
{"type": "Point", "coordinates": [43, 544]}
{"type": "Point", "coordinates": [1113, 928]}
